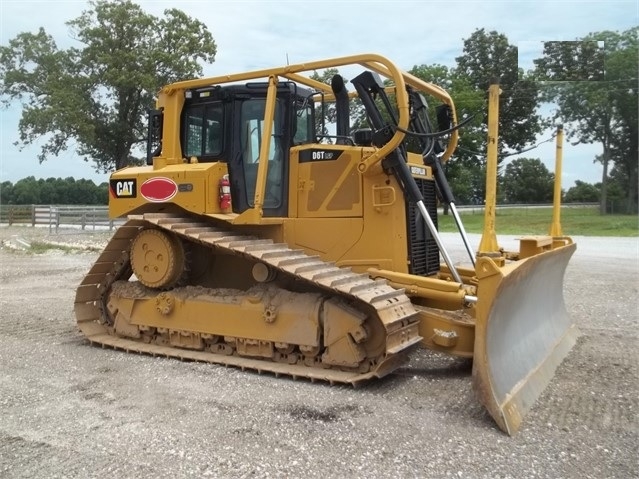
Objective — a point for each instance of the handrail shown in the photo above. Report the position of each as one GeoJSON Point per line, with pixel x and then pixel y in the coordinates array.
{"type": "Point", "coordinates": [371, 61]}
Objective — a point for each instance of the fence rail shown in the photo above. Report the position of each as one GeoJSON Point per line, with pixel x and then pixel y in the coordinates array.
{"type": "Point", "coordinates": [55, 216]}
{"type": "Point", "coordinates": [472, 209]}
{"type": "Point", "coordinates": [16, 214]}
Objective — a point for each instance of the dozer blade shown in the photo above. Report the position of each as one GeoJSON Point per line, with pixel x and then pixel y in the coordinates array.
{"type": "Point", "coordinates": [523, 332]}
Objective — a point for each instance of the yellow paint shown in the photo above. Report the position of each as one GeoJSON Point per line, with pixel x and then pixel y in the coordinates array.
{"type": "Point", "coordinates": [555, 228]}
{"type": "Point", "coordinates": [488, 244]}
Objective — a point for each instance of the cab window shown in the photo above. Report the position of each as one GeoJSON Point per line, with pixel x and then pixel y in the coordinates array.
{"type": "Point", "coordinates": [204, 131]}
{"type": "Point", "coordinates": [305, 128]}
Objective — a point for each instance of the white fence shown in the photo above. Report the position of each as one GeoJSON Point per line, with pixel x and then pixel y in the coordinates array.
{"type": "Point", "coordinates": [83, 217]}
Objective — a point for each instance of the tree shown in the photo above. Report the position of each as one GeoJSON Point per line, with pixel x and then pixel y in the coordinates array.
{"type": "Point", "coordinates": [620, 189]}
{"type": "Point", "coordinates": [6, 193]}
{"type": "Point", "coordinates": [102, 194]}
{"type": "Point", "coordinates": [26, 192]}
{"type": "Point", "coordinates": [46, 192]}
{"type": "Point", "coordinates": [616, 203]}
{"type": "Point", "coordinates": [582, 192]}
{"type": "Point", "coordinates": [487, 56]}
{"type": "Point", "coordinates": [593, 82]}
{"type": "Point", "coordinates": [53, 191]}
{"type": "Point", "coordinates": [98, 94]}
{"type": "Point", "coordinates": [527, 180]}
{"type": "Point", "coordinates": [622, 64]}
{"type": "Point", "coordinates": [464, 169]}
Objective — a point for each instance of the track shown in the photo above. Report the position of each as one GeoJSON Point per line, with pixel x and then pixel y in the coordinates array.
{"type": "Point", "coordinates": [392, 307]}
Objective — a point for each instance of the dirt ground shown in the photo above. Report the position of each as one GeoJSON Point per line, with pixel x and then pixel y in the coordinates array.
{"type": "Point", "coordinates": [69, 409]}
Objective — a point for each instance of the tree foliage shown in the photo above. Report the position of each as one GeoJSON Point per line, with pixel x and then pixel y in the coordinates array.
{"type": "Point", "coordinates": [527, 180]}
{"type": "Point", "coordinates": [582, 192]}
{"type": "Point", "coordinates": [465, 169]}
{"type": "Point", "coordinates": [593, 82]}
{"type": "Point", "coordinates": [53, 191]}
{"type": "Point", "coordinates": [94, 96]}
{"type": "Point", "coordinates": [488, 56]}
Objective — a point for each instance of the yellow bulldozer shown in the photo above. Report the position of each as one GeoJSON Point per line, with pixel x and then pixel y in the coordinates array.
{"type": "Point", "coordinates": [263, 237]}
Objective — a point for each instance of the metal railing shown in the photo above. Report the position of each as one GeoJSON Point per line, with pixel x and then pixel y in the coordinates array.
{"type": "Point", "coordinates": [56, 216]}
{"type": "Point", "coordinates": [476, 209]}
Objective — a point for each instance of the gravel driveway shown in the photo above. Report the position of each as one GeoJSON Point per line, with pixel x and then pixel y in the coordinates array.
{"type": "Point", "coordinates": [68, 409]}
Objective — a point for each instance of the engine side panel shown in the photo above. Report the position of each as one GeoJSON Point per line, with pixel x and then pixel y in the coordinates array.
{"type": "Point", "coordinates": [190, 187]}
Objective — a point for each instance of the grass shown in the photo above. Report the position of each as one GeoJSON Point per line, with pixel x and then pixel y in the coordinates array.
{"type": "Point", "coordinates": [575, 221]}
{"type": "Point", "coordinates": [40, 247]}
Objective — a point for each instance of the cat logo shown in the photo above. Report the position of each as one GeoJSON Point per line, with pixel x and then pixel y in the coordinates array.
{"type": "Point", "coordinates": [123, 188]}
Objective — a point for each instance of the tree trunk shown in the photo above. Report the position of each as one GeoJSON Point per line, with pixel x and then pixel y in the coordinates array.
{"type": "Point", "coordinates": [605, 160]}
{"type": "Point", "coordinates": [122, 158]}
{"type": "Point", "coordinates": [631, 207]}
{"type": "Point", "coordinates": [604, 181]}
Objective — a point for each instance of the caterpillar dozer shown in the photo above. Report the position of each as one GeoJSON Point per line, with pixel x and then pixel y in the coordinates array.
{"type": "Point", "coordinates": [263, 237]}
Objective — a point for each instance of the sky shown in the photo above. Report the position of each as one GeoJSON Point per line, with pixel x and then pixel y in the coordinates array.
{"type": "Point", "coordinates": [261, 34]}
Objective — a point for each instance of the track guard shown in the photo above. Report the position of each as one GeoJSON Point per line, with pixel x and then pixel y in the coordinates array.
{"type": "Point", "coordinates": [523, 332]}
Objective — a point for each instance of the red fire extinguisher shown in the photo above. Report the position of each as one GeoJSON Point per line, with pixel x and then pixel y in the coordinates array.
{"type": "Point", "coordinates": [225, 193]}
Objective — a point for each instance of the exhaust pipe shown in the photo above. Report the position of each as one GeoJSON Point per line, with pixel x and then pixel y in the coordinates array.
{"type": "Point", "coordinates": [343, 113]}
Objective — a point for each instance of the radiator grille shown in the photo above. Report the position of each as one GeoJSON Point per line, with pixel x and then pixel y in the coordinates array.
{"type": "Point", "coordinates": [423, 254]}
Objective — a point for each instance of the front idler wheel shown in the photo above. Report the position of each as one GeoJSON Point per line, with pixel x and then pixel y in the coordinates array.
{"type": "Point", "coordinates": [158, 259]}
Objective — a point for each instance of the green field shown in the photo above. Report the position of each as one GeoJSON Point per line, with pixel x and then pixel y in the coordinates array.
{"type": "Point", "coordinates": [575, 221]}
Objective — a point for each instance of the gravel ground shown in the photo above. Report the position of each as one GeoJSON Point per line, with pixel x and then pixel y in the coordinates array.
{"type": "Point", "coordinates": [72, 410]}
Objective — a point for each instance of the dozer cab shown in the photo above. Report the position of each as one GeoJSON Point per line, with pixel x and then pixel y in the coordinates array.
{"type": "Point", "coordinates": [261, 237]}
